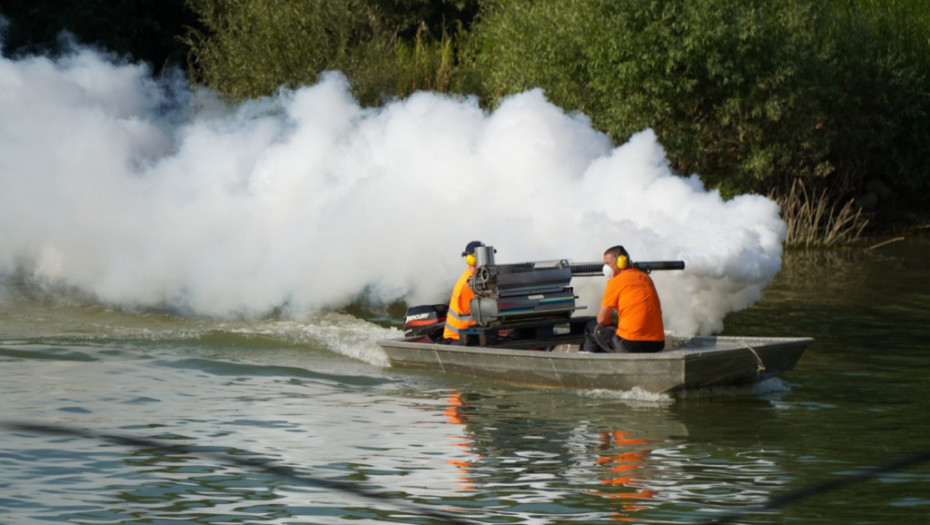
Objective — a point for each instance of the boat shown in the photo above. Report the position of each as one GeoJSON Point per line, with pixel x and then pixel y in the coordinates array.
{"type": "Point", "coordinates": [526, 333]}
{"type": "Point", "coordinates": [686, 363]}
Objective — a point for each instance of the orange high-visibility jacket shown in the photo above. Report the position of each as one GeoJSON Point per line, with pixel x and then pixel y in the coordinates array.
{"type": "Point", "coordinates": [459, 316]}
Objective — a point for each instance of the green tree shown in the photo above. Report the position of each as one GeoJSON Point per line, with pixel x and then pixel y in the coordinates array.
{"type": "Point", "coordinates": [879, 101]}
{"type": "Point", "coordinates": [725, 84]}
{"type": "Point", "coordinates": [752, 95]}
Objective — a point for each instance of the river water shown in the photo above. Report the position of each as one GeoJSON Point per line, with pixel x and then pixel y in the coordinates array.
{"type": "Point", "coordinates": [315, 396]}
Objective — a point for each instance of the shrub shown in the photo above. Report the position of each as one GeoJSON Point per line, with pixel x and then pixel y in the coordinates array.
{"type": "Point", "coordinates": [723, 83]}
{"type": "Point", "coordinates": [880, 97]}
{"type": "Point", "coordinates": [752, 95]}
{"type": "Point", "coordinates": [250, 48]}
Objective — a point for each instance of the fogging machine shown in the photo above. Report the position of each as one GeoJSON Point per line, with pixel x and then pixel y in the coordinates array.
{"type": "Point", "coordinates": [519, 301]}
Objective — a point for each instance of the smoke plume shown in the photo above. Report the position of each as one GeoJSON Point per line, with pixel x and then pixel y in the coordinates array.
{"type": "Point", "coordinates": [142, 192]}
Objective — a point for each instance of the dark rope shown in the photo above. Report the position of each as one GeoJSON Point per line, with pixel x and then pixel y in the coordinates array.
{"type": "Point", "coordinates": [266, 466]}
{"type": "Point", "coordinates": [259, 465]}
{"type": "Point", "coordinates": [822, 487]}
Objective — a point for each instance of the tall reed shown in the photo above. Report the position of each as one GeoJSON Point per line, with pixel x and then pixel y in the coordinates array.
{"type": "Point", "coordinates": [813, 219]}
{"type": "Point", "coordinates": [424, 64]}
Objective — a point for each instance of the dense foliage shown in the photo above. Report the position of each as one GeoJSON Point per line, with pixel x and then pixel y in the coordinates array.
{"type": "Point", "coordinates": [387, 48]}
{"type": "Point", "coordinates": [723, 85]}
{"type": "Point", "coordinates": [751, 94]}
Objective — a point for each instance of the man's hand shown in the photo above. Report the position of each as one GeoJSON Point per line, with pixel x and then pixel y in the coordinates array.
{"type": "Point", "coordinates": [605, 315]}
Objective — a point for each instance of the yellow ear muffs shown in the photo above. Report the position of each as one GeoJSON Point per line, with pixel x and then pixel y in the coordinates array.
{"type": "Point", "coordinates": [622, 262]}
{"type": "Point", "coordinates": [470, 259]}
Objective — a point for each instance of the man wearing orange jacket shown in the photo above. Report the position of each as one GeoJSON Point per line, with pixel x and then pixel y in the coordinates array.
{"type": "Point", "coordinates": [459, 316]}
{"type": "Point", "coordinates": [632, 295]}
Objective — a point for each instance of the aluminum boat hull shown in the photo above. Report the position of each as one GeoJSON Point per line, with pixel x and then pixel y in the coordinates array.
{"type": "Point", "coordinates": [692, 363]}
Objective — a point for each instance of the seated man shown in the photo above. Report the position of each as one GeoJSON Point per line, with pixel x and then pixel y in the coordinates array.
{"type": "Point", "coordinates": [632, 295]}
{"type": "Point", "coordinates": [459, 316]}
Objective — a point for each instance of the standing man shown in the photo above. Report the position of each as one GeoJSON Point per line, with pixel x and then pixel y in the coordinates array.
{"type": "Point", "coordinates": [632, 295]}
{"type": "Point", "coordinates": [459, 316]}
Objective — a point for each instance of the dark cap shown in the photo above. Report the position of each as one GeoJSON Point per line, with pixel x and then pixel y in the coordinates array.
{"type": "Point", "coordinates": [470, 247]}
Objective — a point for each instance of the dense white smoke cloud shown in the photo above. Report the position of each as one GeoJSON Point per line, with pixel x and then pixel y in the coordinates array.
{"type": "Point", "coordinates": [143, 193]}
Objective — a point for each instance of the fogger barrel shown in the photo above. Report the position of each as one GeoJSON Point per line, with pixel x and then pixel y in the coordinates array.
{"type": "Point", "coordinates": [513, 293]}
{"type": "Point", "coordinates": [588, 269]}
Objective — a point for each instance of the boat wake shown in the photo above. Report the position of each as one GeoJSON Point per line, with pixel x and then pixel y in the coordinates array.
{"type": "Point", "coordinates": [93, 324]}
{"type": "Point", "coordinates": [638, 398]}
{"type": "Point", "coordinates": [633, 397]}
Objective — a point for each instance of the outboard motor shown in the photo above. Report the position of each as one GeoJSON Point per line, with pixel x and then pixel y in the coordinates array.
{"type": "Point", "coordinates": [426, 320]}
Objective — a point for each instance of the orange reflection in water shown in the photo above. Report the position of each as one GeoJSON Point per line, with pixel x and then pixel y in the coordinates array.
{"type": "Point", "coordinates": [455, 415]}
{"type": "Point", "coordinates": [620, 468]}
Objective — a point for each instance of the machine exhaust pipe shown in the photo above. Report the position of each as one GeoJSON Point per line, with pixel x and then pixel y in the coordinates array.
{"type": "Point", "coordinates": [589, 269]}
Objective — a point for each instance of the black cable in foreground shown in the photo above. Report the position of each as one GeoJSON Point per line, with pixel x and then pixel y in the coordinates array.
{"type": "Point", "coordinates": [259, 465]}
{"type": "Point", "coordinates": [265, 466]}
{"type": "Point", "coordinates": [822, 487]}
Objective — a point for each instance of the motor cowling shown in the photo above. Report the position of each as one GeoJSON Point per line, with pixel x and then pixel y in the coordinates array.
{"type": "Point", "coordinates": [426, 320]}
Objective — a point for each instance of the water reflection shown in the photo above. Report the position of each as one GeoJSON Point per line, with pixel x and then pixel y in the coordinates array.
{"type": "Point", "coordinates": [456, 414]}
{"type": "Point", "coordinates": [623, 456]}
{"type": "Point", "coordinates": [855, 296]}
{"type": "Point", "coordinates": [520, 458]}
{"type": "Point", "coordinates": [868, 311]}
{"type": "Point", "coordinates": [552, 457]}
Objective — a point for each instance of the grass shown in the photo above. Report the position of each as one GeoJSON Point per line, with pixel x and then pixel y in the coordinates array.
{"type": "Point", "coordinates": [813, 219]}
